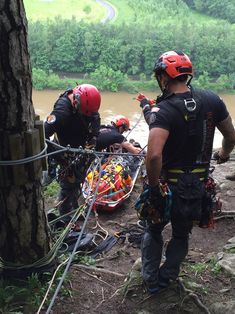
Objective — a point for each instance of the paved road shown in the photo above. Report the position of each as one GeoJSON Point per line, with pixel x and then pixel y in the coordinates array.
{"type": "Point", "coordinates": [110, 11]}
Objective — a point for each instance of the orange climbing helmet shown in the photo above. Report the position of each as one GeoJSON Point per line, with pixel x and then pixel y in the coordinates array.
{"type": "Point", "coordinates": [122, 121]}
{"type": "Point", "coordinates": [174, 63]}
{"type": "Point", "coordinates": [86, 99]}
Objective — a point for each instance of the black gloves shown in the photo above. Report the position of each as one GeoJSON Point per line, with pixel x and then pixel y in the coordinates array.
{"type": "Point", "coordinates": [144, 102]}
{"type": "Point", "coordinates": [151, 204]}
{"type": "Point", "coordinates": [91, 143]}
{"type": "Point", "coordinates": [219, 159]}
{"type": "Point", "coordinates": [157, 200]}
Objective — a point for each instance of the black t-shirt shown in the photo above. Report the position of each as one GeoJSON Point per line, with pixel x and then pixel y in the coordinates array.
{"type": "Point", "coordinates": [71, 127]}
{"type": "Point", "coordinates": [108, 136]}
{"type": "Point", "coordinates": [182, 149]}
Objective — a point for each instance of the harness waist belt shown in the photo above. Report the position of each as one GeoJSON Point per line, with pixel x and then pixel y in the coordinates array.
{"type": "Point", "coordinates": [171, 175]}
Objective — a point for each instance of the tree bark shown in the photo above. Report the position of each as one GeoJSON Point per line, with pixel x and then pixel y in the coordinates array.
{"type": "Point", "coordinates": [24, 236]}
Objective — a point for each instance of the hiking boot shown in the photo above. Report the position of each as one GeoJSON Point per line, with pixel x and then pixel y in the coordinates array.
{"type": "Point", "coordinates": [231, 177]}
{"type": "Point", "coordinates": [152, 286]}
{"type": "Point", "coordinates": [163, 282]}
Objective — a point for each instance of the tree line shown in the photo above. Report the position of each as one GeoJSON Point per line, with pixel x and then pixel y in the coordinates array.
{"type": "Point", "coordinates": [222, 9]}
{"type": "Point", "coordinates": [129, 50]}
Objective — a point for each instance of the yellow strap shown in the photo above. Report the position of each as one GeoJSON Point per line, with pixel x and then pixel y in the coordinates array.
{"type": "Point", "coordinates": [195, 170]}
{"type": "Point", "coordinates": [176, 180]}
{"type": "Point", "coordinates": [175, 171]}
{"type": "Point", "coordinates": [198, 170]}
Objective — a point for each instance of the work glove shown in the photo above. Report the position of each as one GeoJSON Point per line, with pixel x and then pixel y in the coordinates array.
{"type": "Point", "coordinates": [151, 204]}
{"type": "Point", "coordinates": [219, 159]}
{"type": "Point", "coordinates": [157, 200]}
{"type": "Point", "coordinates": [91, 143]}
{"type": "Point", "coordinates": [144, 101]}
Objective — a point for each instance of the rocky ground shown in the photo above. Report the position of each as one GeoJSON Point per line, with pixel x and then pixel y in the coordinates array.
{"type": "Point", "coordinates": [113, 284]}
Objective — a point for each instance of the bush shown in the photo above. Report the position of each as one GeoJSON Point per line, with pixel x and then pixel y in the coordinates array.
{"type": "Point", "coordinates": [40, 79]}
{"type": "Point", "coordinates": [106, 78]}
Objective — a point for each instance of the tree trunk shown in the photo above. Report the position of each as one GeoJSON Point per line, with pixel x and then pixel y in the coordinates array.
{"type": "Point", "coordinates": [24, 236]}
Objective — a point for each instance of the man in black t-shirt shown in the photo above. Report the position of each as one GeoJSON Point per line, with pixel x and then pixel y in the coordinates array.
{"type": "Point", "coordinates": [182, 126]}
{"type": "Point", "coordinates": [75, 121]}
{"type": "Point", "coordinates": [110, 135]}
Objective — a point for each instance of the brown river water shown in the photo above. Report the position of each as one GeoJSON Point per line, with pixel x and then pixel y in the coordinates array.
{"type": "Point", "coordinates": [123, 103]}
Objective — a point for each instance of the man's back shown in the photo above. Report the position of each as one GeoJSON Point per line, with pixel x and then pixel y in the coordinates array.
{"type": "Point", "coordinates": [191, 131]}
{"type": "Point", "coordinates": [108, 136]}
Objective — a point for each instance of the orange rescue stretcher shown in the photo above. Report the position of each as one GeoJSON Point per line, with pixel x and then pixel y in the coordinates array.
{"type": "Point", "coordinates": [113, 182]}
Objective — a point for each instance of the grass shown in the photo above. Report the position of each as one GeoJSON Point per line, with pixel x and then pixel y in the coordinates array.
{"type": "Point", "coordinates": [51, 190]}
{"type": "Point", "coordinates": [124, 14]}
{"type": "Point", "coordinates": [89, 10]}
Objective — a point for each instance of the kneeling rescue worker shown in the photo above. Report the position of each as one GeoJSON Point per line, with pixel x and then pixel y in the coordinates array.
{"type": "Point", "coordinates": [76, 122]}
{"type": "Point", "coordinates": [110, 135]}
{"type": "Point", "coordinates": [180, 142]}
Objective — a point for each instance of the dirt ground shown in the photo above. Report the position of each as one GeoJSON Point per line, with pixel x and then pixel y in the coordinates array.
{"type": "Point", "coordinates": [108, 288]}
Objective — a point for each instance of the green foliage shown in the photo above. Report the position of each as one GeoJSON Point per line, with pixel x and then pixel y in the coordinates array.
{"type": "Point", "coordinates": [51, 190]}
{"type": "Point", "coordinates": [82, 9]}
{"type": "Point", "coordinates": [11, 298]}
{"type": "Point", "coordinates": [214, 266]}
{"type": "Point", "coordinates": [40, 79]}
{"type": "Point", "coordinates": [222, 9]}
{"type": "Point", "coordinates": [86, 260]}
{"type": "Point", "coordinates": [131, 44]}
{"type": "Point", "coordinates": [203, 81]}
{"type": "Point", "coordinates": [223, 83]}
{"type": "Point", "coordinates": [107, 79]}
{"type": "Point", "coordinates": [87, 9]}
{"type": "Point", "coordinates": [25, 296]}
{"type": "Point", "coordinates": [197, 268]}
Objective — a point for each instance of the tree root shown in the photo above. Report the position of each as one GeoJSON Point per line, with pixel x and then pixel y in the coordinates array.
{"type": "Point", "coordinates": [102, 270]}
{"type": "Point", "coordinates": [194, 296]}
{"type": "Point", "coordinates": [225, 215]}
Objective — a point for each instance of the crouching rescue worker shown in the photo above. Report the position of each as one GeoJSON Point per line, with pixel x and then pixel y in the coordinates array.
{"type": "Point", "coordinates": [178, 158]}
{"type": "Point", "coordinates": [110, 135]}
{"type": "Point", "coordinates": [75, 121]}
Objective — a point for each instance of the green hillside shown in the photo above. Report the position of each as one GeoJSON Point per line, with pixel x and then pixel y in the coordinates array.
{"type": "Point", "coordinates": [88, 10]}
{"type": "Point", "coordinates": [127, 11]}
{"type": "Point", "coordinates": [127, 46]}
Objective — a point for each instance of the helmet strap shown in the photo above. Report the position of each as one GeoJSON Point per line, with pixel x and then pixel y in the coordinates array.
{"type": "Point", "coordinates": [76, 102]}
{"type": "Point", "coordinates": [189, 81]}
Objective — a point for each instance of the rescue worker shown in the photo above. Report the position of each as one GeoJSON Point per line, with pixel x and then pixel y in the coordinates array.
{"type": "Point", "coordinates": [179, 151]}
{"type": "Point", "coordinates": [110, 135]}
{"type": "Point", "coordinates": [75, 121]}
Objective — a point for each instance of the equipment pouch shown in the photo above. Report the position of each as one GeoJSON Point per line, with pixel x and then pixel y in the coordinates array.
{"type": "Point", "coordinates": [210, 204]}
{"type": "Point", "coordinates": [189, 194]}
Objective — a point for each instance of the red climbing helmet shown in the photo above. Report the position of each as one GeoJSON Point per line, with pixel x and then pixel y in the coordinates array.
{"type": "Point", "coordinates": [86, 99]}
{"type": "Point", "coordinates": [122, 121]}
{"type": "Point", "coordinates": [174, 63]}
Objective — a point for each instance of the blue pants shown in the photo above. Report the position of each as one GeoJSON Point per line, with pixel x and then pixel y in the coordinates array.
{"type": "Point", "coordinates": [177, 249]}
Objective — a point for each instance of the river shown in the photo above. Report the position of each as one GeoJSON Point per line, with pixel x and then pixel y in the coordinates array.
{"type": "Point", "coordinates": [123, 103]}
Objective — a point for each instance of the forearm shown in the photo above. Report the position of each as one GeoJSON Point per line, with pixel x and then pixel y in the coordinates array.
{"type": "Point", "coordinates": [227, 129]}
{"type": "Point", "coordinates": [153, 167]}
{"type": "Point", "coordinates": [227, 147]}
{"type": "Point", "coordinates": [130, 148]}
{"type": "Point", "coordinates": [147, 113]}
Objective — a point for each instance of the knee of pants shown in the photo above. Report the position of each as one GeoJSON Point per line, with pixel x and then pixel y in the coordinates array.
{"type": "Point", "coordinates": [151, 240]}
{"type": "Point", "coordinates": [181, 230]}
